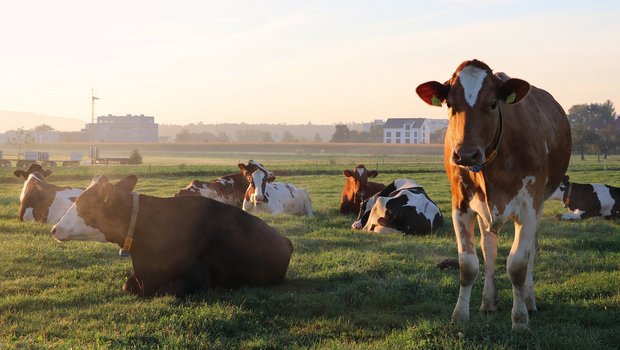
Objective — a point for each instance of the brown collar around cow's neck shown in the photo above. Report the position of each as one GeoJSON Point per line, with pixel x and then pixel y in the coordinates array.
{"type": "Point", "coordinates": [496, 145]}
{"type": "Point", "coordinates": [567, 200]}
{"type": "Point", "coordinates": [126, 249]}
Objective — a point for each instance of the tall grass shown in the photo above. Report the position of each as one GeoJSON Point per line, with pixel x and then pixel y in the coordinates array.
{"type": "Point", "coordinates": [344, 289]}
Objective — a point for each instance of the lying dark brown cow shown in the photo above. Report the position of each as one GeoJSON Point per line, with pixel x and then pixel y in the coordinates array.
{"type": "Point", "coordinates": [588, 200]}
{"type": "Point", "coordinates": [33, 168]}
{"type": "Point", "coordinates": [357, 189]}
{"type": "Point", "coordinates": [506, 149]}
{"type": "Point", "coordinates": [229, 189]}
{"type": "Point", "coordinates": [178, 245]}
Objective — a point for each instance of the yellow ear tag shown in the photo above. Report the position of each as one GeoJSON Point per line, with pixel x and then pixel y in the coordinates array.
{"type": "Point", "coordinates": [435, 101]}
{"type": "Point", "coordinates": [511, 98]}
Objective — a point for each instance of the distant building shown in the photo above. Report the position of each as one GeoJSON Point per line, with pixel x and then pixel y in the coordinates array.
{"type": "Point", "coordinates": [129, 128]}
{"type": "Point", "coordinates": [366, 127]}
{"type": "Point", "coordinates": [406, 130]}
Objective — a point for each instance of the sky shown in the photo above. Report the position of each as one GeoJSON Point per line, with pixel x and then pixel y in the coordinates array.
{"type": "Point", "coordinates": [292, 61]}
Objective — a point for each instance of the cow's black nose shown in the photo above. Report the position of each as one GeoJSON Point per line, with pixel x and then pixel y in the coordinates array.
{"type": "Point", "coordinates": [467, 156]}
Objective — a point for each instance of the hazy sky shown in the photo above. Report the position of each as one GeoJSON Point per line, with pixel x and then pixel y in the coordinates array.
{"type": "Point", "coordinates": [293, 61]}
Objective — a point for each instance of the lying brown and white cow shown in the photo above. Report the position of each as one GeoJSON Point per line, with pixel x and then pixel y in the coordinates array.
{"type": "Point", "coordinates": [44, 202]}
{"type": "Point", "coordinates": [588, 200]}
{"type": "Point", "coordinates": [263, 196]}
{"type": "Point", "coordinates": [178, 245]}
{"type": "Point", "coordinates": [229, 189]}
{"type": "Point", "coordinates": [358, 188]}
{"type": "Point", "coordinates": [33, 168]}
{"type": "Point", "coordinates": [402, 206]}
{"type": "Point", "coordinates": [506, 150]}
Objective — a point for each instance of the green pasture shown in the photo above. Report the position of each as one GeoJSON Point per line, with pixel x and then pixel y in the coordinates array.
{"type": "Point", "coordinates": [344, 289]}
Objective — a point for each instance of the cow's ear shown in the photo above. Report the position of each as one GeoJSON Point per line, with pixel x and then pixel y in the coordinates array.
{"type": "Point", "coordinates": [433, 92]}
{"type": "Point", "coordinates": [565, 179]}
{"type": "Point", "coordinates": [381, 221]}
{"type": "Point", "coordinates": [20, 173]}
{"type": "Point", "coordinates": [47, 173]}
{"type": "Point", "coordinates": [106, 192]}
{"type": "Point", "coordinates": [513, 90]}
{"type": "Point", "coordinates": [347, 173]}
{"type": "Point", "coordinates": [127, 183]}
{"type": "Point", "coordinates": [373, 173]}
{"type": "Point", "coordinates": [242, 167]}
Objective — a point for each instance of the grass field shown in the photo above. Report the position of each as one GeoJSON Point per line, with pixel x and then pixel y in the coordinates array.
{"type": "Point", "coordinates": [344, 289]}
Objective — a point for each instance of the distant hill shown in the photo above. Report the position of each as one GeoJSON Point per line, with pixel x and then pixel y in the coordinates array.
{"type": "Point", "coordinates": [10, 120]}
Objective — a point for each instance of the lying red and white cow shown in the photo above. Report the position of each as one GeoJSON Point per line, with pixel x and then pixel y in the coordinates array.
{"type": "Point", "coordinates": [33, 168]}
{"type": "Point", "coordinates": [275, 197]}
{"type": "Point", "coordinates": [402, 206]}
{"type": "Point", "coordinates": [44, 202]}
{"type": "Point", "coordinates": [178, 245]}
{"type": "Point", "coordinates": [229, 189]}
{"type": "Point", "coordinates": [506, 150]}
{"type": "Point", "coordinates": [588, 200]}
{"type": "Point", "coordinates": [358, 188]}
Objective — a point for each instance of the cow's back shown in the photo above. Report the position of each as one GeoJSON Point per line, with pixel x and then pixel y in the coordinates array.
{"type": "Point", "coordinates": [234, 246]}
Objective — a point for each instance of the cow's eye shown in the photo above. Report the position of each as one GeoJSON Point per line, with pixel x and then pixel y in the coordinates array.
{"type": "Point", "coordinates": [493, 105]}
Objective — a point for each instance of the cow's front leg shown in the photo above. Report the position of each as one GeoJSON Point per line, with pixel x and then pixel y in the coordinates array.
{"type": "Point", "coordinates": [520, 267]}
{"type": "Point", "coordinates": [488, 244]}
{"type": "Point", "coordinates": [468, 261]}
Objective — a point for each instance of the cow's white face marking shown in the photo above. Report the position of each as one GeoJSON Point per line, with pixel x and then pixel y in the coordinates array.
{"type": "Point", "coordinates": [62, 202]}
{"type": "Point", "coordinates": [73, 227]}
{"type": "Point", "coordinates": [360, 171]}
{"type": "Point", "coordinates": [471, 78]}
{"type": "Point", "coordinates": [32, 177]}
{"type": "Point", "coordinates": [257, 179]}
{"type": "Point", "coordinates": [558, 195]}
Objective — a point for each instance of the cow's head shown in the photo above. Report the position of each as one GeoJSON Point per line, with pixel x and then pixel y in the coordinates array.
{"type": "Point", "coordinates": [560, 192]}
{"type": "Point", "coordinates": [33, 168]}
{"type": "Point", "coordinates": [101, 213]}
{"type": "Point", "coordinates": [362, 216]}
{"type": "Point", "coordinates": [256, 189]}
{"type": "Point", "coordinates": [35, 199]}
{"type": "Point", "coordinates": [252, 166]}
{"type": "Point", "coordinates": [357, 179]}
{"type": "Point", "coordinates": [474, 97]}
{"type": "Point", "coordinates": [193, 189]}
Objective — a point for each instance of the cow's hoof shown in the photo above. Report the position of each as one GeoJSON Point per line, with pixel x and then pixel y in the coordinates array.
{"type": "Point", "coordinates": [459, 318]}
{"type": "Point", "coordinates": [488, 306]}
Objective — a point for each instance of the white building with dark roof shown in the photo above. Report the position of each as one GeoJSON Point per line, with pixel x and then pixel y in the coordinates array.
{"type": "Point", "coordinates": [406, 130]}
{"type": "Point", "coordinates": [129, 128]}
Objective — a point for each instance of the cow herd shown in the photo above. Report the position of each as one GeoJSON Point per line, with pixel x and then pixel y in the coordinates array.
{"type": "Point", "coordinates": [506, 151]}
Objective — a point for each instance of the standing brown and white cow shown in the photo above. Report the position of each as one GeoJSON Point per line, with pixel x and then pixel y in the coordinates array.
{"type": "Point", "coordinates": [506, 150]}
{"type": "Point", "coordinates": [358, 188]}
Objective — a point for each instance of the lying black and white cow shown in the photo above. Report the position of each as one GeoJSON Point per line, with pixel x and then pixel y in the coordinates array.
{"type": "Point", "coordinates": [42, 201]}
{"type": "Point", "coordinates": [178, 245]}
{"type": "Point", "coordinates": [587, 200]}
{"type": "Point", "coordinates": [229, 189]}
{"type": "Point", "coordinates": [401, 206]}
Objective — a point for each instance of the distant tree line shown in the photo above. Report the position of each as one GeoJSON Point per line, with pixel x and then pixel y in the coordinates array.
{"type": "Point", "coordinates": [595, 129]}
{"type": "Point", "coordinates": [343, 134]}
{"type": "Point", "coordinates": [241, 135]}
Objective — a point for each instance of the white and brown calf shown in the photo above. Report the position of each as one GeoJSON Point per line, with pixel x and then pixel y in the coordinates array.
{"type": "Point", "coordinates": [263, 196]}
{"type": "Point", "coordinates": [585, 201]}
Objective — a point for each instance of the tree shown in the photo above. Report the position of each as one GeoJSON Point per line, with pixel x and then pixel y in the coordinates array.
{"type": "Point", "coordinates": [317, 138]}
{"type": "Point", "coordinates": [135, 157]}
{"type": "Point", "coordinates": [43, 128]}
{"type": "Point", "coordinates": [288, 137]}
{"type": "Point", "coordinates": [21, 138]}
{"type": "Point", "coordinates": [183, 136]}
{"type": "Point", "coordinates": [593, 127]}
{"type": "Point", "coordinates": [439, 135]}
{"type": "Point", "coordinates": [342, 134]}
